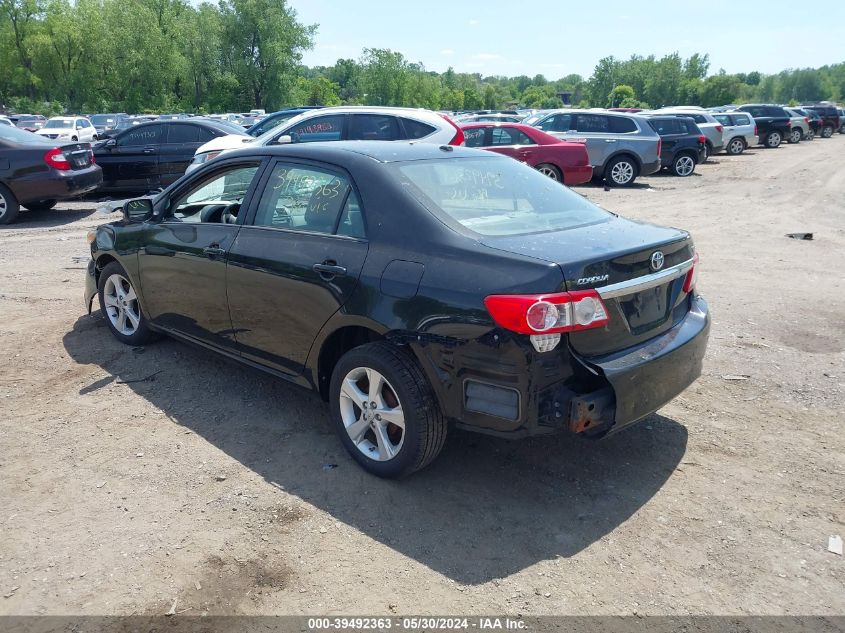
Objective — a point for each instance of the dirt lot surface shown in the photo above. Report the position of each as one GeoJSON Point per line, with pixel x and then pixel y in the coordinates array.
{"type": "Point", "coordinates": [130, 478]}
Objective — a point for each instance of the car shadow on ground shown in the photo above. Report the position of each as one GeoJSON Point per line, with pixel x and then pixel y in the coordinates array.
{"type": "Point", "coordinates": [58, 216]}
{"type": "Point", "coordinates": [485, 509]}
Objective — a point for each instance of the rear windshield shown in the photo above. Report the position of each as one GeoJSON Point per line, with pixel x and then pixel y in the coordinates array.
{"type": "Point", "coordinates": [102, 119]}
{"type": "Point", "coordinates": [493, 196]}
{"type": "Point", "coordinates": [15, 135]}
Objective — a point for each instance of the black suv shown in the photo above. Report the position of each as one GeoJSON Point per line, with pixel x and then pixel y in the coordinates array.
{"type": "Point", "coordinates": [830, 118]}
{"type": "Point", "coordinates": [773, 122]}
{"type": "Point", "coordinates": [683, 147]}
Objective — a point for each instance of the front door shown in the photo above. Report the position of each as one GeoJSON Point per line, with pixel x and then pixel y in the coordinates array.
{"type": "Point", "coordinates": [294, 263]}
{"type": "Point", "coordinates": [183, 263]}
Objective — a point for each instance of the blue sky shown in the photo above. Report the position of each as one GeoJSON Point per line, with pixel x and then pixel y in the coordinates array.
{"type": "Point", "coordinates": [558, 37]}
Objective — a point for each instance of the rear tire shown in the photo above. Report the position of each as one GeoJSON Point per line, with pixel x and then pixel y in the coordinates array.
{"type": "Point", "coordinates": [41, 205]}
{"type": "Point", "coordinates": [810, 135]}
{"type": "Point", "coordinates": [73, 138]}
{"type": "Point", "coordinates": [380, 446]}
{"type": "Point", "coordinates": [794, 136]}
{"type": "Point", "coordinates": [683, 165]}
{"type": "Point", "coordinates": [121, 307]}
{"type": "Point", "coordinates": [736, 146]}
{"type": "Point", "coordinates": [9, 207]}
{"type": "Point", "coordinates": [773, 140]}
{"type": "Point", "coordinates": [708, 151]}
{"type": "Point", "coordinates": [827, 131]}
{"type": "Point", "coordinates": [551, 171]}
{"type": "Point", "coordinates": [621, 171]}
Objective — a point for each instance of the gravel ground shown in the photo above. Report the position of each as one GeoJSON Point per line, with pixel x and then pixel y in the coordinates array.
{"type": "Point", "coordinates": [135, 477]}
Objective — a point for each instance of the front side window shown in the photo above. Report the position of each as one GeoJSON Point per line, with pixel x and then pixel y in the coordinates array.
{"type": "Point", "coordinates": [494, 196]}
{"type": "Point", "coordinates": [142, 135]}
{"type": "Point", "coordinates": [556, 123]}
{"type": "Point", "coordinates": [373, 127]}
{"type": "Point", "coordinates": [303, 198]}
{"type": "Point", "coordinates": [510, 136]}
{"type": "Point", "coordinates": [322, 128]}
{"type": "Point", "coordinates": [215, 199]}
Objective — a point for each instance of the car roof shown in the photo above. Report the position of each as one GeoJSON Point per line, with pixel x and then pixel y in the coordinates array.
{"type": "Point", "coordinates": [380, 151]}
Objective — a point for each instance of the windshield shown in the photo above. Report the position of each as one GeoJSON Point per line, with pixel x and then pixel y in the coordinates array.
{"type": "Point", "coordinates": [102, 119]}
{"type": "Point", "coordinates": [53, 123]}
{"type": "Point", "coordinates": [267, 133]}
{"type": "Point", "coordinates": [493, 196]}
{"type": "Point", "coordinates": [15, 135]}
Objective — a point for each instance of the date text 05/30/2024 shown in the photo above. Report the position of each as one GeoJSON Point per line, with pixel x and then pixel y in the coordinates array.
{"type": "Point", "coordinates": [417, 623]}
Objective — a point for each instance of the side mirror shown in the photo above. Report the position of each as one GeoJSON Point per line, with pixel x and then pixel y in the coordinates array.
{"type": "Point", "coordinates": [139, 210]}
{"type": "Point", "coordinates": [284, 139]}
{"type": "Point", "coordinates": [110, 143]}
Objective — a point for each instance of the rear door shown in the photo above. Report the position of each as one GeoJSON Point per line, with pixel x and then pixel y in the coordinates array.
{"type": "Point", "coordinates": [595, 128]}
{"type": "Point", "coordinates": [670, 131]}
{"type": "Point", "coordinates": [177, 152]}
{"type": "Point", "coordinates": [514, 143]}
{"type": "Point", "coordinates": [295, 262]}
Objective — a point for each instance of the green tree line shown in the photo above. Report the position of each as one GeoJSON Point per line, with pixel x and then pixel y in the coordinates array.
{"type": "Point", "coordinates": [172, 55]}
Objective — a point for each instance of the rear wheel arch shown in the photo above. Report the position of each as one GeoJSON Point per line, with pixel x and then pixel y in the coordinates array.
{"type": "Point", "coordinates": [626, 154]}
{"type": "Point", "coordinates": [334, 346]}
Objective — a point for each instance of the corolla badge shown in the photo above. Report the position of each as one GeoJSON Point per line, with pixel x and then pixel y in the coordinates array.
{"type": "Point", "coordinates": [657, 260]}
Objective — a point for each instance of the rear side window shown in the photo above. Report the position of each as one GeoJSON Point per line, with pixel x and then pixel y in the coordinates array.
{"type": "Point", "coordinates": [556, 123]}
{"type": "Point", "coordinates": [665, 127]}
{"type": "Point", "coordinates": [142, 135]}
{"type": "Point", "coordinates": [622, 125]}
{"type": "Point", "coordinates": [416, 129]}
{"type": "Point", "coordinates": [373, 127]}
{"type": "Point", "coordinates": [323, 128]}
{"type": "Point", "coordinates": [596, 123]}
{"type": "Point", "coordinates": [181, 133]}
{"type": "Point", "coordinates": [474, 137]}
{"type": "Point", "coordinates": [303, 198]}
{"type": "Point", "coordinates": [509, 136]}
{"type": "Point", "coordinates": [494, 196]}
{"type": "Point", "coordinates": [741, 119]}
{"type": "Point", "coordinates": [724, 119]}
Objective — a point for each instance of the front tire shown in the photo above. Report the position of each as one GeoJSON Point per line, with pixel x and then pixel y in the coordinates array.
{"type": "Point", "coordinates": [683, 165]}
{"type": "Point", "coordinates": [551, 171]}
{"type": "Point", "coordinates": [827, 131]}
{"type": "Point", "coordinates": [736, 147]}
{"type": "Point", "coordinates": [810, 135]}
{"type": "Point", "coordinates": [385, 411]}
{"type": "Point", "coordinates": [795, 136]}
{"type": "Point", "coordinates": [41, 205]}
{"type": "Point", "coordinates": [121, 307]}
{"type": "Point", "coordinates": [9, 207]}
{"type": "Point", "coordinates": [621, 172]}
{"type": "Point", "coordinates": [773, 140]}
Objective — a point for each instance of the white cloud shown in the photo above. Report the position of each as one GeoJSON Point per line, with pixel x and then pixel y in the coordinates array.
{"type": "Point", "coordinates": [447, 51]}
{"type": "Point", "coordinates": [473, 22]}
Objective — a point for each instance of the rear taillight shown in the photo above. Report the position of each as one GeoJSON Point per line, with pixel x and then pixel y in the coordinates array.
{"type": "Point", "coordinates": [719, 129]}
{"type": "Point", "coordinates": [56, 159]}
{"type": "Point", "coordinates": [755, 130]}
{"type": "Point", "coordinates": [458, 139]}
{"type": "Point", "coordinates": [689, 281]}
{"type": "Point", "coordinates": [659, 146]}
{"type": "Point", "coordinates": [548, 314]}
{"type": "Point", "coordinates": [702, 139]}
{"type": "Point", "coordinates": [788, 124]}
{"type": "Point", "coordinates": [807, 120]}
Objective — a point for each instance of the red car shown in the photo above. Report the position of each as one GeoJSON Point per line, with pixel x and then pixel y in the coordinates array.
{"type": "Point", "coordinates": [564, 161]}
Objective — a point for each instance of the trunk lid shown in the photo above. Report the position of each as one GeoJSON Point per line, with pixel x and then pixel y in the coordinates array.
{"type": "Point", "coordinates": [79, 155]}
{"type": "Point", "coordinates": [615, 257]}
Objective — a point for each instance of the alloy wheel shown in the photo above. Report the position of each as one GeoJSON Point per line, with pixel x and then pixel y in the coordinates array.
{"type": "Point", "coordinates": [121, 304]}
{"type": "Point", "coordinates": [548, 171]}
{"type": "Point", "coordinates": [684, 165]}
{"type": "Point", "coordinates": [795, 136]}
{"type": "Point", "coordinates": [4, 205]}
{"type": "Point", "coordinates": [372, 414]}
{"type": "Point", "coordinates": [773, 140]}
{"type": "Point", "coordinates": [622, 173]}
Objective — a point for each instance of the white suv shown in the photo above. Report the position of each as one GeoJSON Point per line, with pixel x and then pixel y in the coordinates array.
{"type": "Point", "coordinates": [355, 123]}
{"type": "Point", "coordinates": [69, 128]}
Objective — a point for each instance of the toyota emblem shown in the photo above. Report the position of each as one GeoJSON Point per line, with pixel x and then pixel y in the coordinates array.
{"type": "Point", "coordinates": [657, 260]}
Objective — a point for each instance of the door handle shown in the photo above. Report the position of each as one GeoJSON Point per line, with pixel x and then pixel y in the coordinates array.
{"type": "Point", "coordinates": [610, 140]}
{"type": "Point", "coordinates": [329, 269]}
{"type": "Point", "coordinates": [149, 150]}
{"type": "Point", "coordinates": [213, 251]}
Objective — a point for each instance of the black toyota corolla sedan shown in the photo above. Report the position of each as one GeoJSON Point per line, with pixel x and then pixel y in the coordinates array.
{"type": "Point", "coordinates": [413, 287]}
